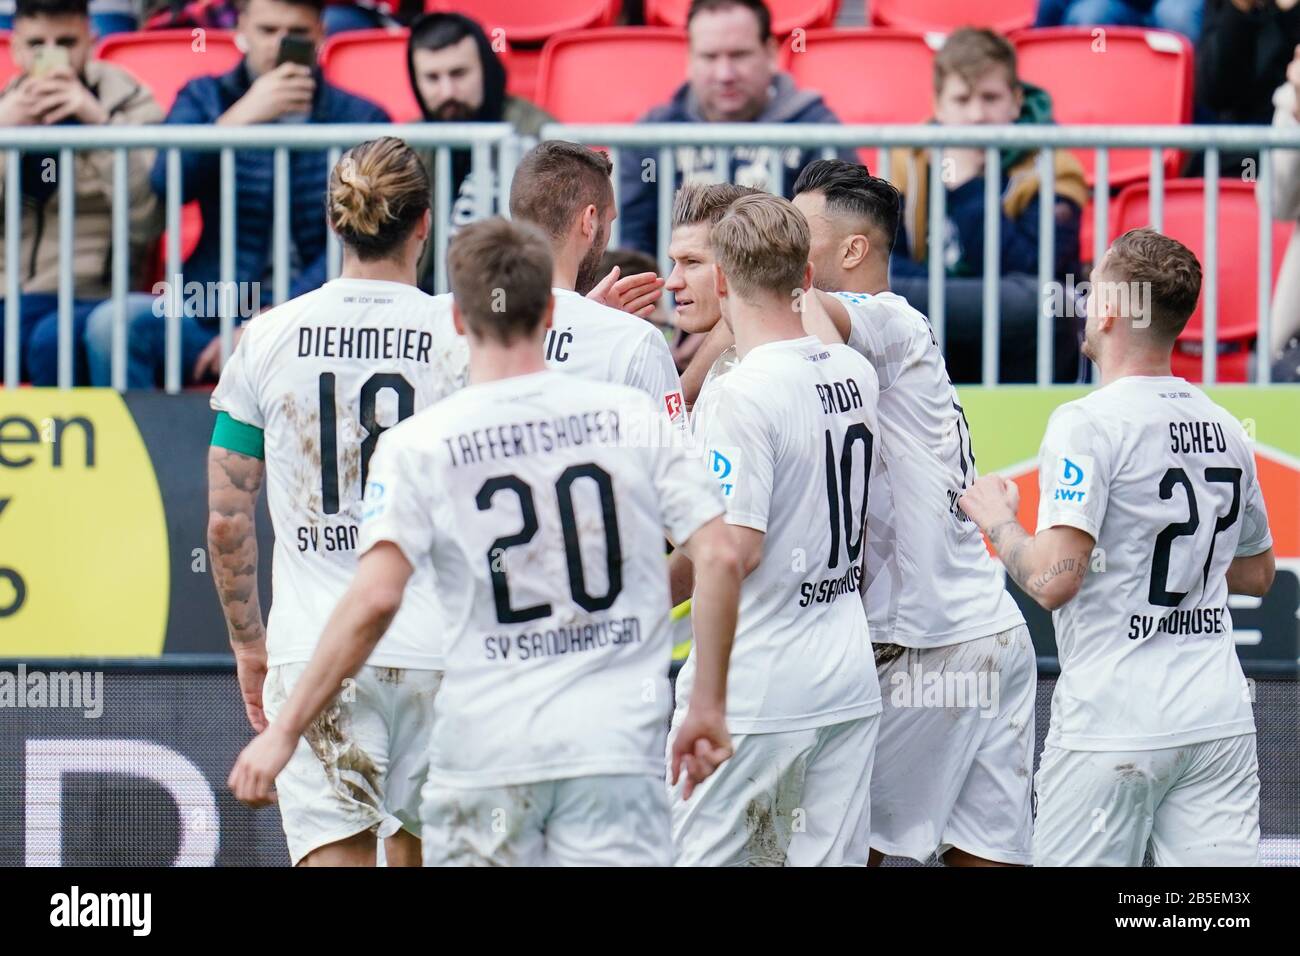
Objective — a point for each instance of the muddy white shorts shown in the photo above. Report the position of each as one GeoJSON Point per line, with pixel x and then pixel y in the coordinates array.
{"type": "Point", "coordinates": [1195, 805]}
{"type": "Point", "coordinates": [361, 763]}
{"type": "Point", "coordinates": [615, 820]}
{"type": "Point", "coordinates": [790, 798]}
{"type": "Point", "coordinates": [956, 750]}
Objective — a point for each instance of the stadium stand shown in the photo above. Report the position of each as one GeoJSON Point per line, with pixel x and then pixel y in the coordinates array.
{"type": "Point", "coordinates": [612, 75]}
{"type": "Point", "coordinates": [526, 26]}
{"type": "Point", "coordinates": [944, 16]}
{"type": "Point", "coordinates": [372, 63]}
{"type": "Point", "coordinates": [165, 60]}
{"type": "Point", "coordinates": [865, 75]}
{"type": "Point", "coordinates": [787, 15]}
{"type": "Point", "coordinates": [1238, 292]}
{"type": "Point", "coordinates": [1145, 78]}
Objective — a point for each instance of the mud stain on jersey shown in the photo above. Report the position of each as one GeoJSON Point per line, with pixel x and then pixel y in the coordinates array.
{"type": "Point", "coordinates": [303, 424]}
{"type": "Point", "coordinates": [1129, 772]}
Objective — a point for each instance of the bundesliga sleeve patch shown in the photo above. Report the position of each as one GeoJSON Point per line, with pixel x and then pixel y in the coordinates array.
{"type": "Point", "coordinates": [723, 464]}
{"type": "Point", "coordinates": [675, 405]}
{"type": "Point", "coordinates": [1073, 479]}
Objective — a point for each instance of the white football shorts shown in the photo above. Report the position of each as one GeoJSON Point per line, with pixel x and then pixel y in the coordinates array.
{"type": "Point", "coordinates": [361, 763]}
{"type": "Point", "coordinates": [789, 798]}
{"type": "Point", "coordinates": [612, 820]}
{"type": "Point", "coordinates": [1195, 805]}
{"type": "Point", "coordinates": [956, 750]}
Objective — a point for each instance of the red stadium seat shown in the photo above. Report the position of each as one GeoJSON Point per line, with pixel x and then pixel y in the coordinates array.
{"type": "Point", "coordinates": [865, 75]}
{"type": "Point", "coordinates": [372, 64]}
{"type": "Point", "coordinates": [612, 75]}
{"type": "Point", "coordinates": [522, 67]}
{"type": "Point", "coordinates": [165, 60]}
{"type": "Point", "coordinates": [7, 68]}
{"type": "Point", "coordinates": [1238, 249]}
{"type": "Point", "coordinates": [1122, 75]}
{"type": "Point", "coordinates": [787, 15]}
{"type": "Point", "coordinates": [945, 16]}
{"type": "Point", "coordinates": [534, 21]}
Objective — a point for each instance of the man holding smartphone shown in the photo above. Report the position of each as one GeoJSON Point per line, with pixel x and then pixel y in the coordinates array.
{"type": "Point", "coordinates": [276, 82]}
{"type": "Point", "coordinates": [59, 84]}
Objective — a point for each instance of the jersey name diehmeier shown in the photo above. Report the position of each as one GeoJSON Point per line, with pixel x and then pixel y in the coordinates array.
{"type": "Point", "coordinates": [544, 512]}
{"type": "Point", "coordinates": [323, 376]}
{"type": "Point", "coordinates": [931, 579]}
{"type": "Point", "coordinates": [594, 341]}
{"type": "Point", "coordinates": [789, 434]}
{"type": "Point", "coordinates": [1164, 480]}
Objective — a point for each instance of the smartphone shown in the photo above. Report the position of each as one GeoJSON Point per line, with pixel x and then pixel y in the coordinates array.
{"type": "Point", "coordinates": [298, 50]}
{"type": "Point", "coordinates": [48, 58]}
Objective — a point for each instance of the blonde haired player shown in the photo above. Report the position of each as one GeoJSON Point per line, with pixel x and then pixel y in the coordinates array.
{"type": "Point", "coordinates": [539, 504]}
{"type": "Point", "coordinates": [302, 402]}
{"type": "Point", "coordinates": [789, 435]}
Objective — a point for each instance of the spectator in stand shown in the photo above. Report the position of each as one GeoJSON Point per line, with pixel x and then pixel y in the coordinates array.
{"type": "Point", "coordinates": [975, 82]}
{"type": "Point", "coordinates": [1285, 321]}
{"type": "Point", "coordinates": [343, 15]}
{"type": "Point", "coordinates": [458, 78]}
{"type": "Point", "coordinates": [1240, 61]}
{"type": "Point", "coordinates": [257, 91]}
{"type": "Point", "coordinates": [106, 16]}
{"type": "Point", "coordinates": [60, 85]}
{"type": "Point", "coordinates": [179, 14]}
{"type": "Point", "coordinates": [732, 78]}
{"type": "Point", "coordinates": [1181, 16]}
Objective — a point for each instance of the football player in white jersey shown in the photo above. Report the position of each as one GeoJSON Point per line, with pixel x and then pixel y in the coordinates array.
{"type": "Point", "coordinates": [564, 189]}
{"type": "Point", "coordinates": [303, 401]}
{"type": "Point", "coordinates": [789, 435]}
{"type": "Point", "coordinates": [1152, 737]}
{"type": "Point", "coordinates": [539, 504]}
{"type": "Point", "coordinates": [957, 668]}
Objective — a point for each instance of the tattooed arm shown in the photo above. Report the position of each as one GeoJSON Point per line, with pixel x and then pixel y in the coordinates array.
{"type": "Point", "coordinates": [1048, 566]}
{"type": "Point", "coordinates": [234, 483]}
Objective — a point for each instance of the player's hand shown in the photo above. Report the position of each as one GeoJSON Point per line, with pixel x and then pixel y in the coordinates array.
{"type": "Point", "coordinates": [209, 361]}
{"type": "Point", "coordinates": [253, 777]}
{"type": "Point", "coordinates": [288, 88]}
{"type": "Point", "coordinates": [637, 294]}
{"type": "Point", "coordinates": [990, 501]}
{"type": "Point", "coordinates": [702, 744]}
{"type": "Point", "coordinates": [250, 667]}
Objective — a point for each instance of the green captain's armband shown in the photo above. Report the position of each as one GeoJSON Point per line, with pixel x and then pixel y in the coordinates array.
{"type": "Point", "coordinates": [238, 437]}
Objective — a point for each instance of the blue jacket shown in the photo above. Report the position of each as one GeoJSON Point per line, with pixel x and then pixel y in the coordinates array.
{"type": "Point", "coordinates": [638, 193]}
{"type": "Point", "coordinates": [201, 101]}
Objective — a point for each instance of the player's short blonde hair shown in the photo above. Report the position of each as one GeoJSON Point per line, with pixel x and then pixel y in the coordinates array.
{"type": "Point", "coordinates": [705, 203]}
{"type": "Point", "coordinates": [500, 275]}
{"type": "Point", "coordinates": [761, 244]}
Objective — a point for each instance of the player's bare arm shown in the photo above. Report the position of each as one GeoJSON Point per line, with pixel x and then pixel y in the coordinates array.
{"type": "Point", "coordinates": [825, 316]}
{"type": "Point", "coordinates": [702, 742]}
{"type": "Point", "coordinates": [358, 622]}
{"type": "Point", "coordinates": [234, 483]}
{"type": "Point", "coordinates": [717, 341]}
{"type": "Point", "coordinates": [1252, 575]}
{"type": "Point", "coordinates": [1048, 566]}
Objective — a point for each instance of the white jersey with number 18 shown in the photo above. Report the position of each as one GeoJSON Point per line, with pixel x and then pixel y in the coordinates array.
{"type": "Point", "coordinates": [323, 376]}
{"type": "Point", "coordinates": [1164, 481]}
{"type": "Point", "coordinates": [931, 581]}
